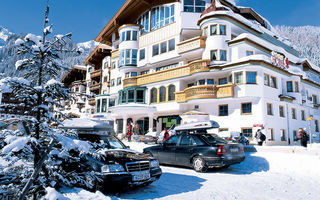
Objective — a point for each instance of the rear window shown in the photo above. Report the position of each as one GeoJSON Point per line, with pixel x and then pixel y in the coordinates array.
{"type": "Point", "coordinates": [213, 139]}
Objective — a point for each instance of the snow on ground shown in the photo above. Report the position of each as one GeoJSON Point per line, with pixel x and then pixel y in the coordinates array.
{"type": "Point", "coordinates": [263, 175]}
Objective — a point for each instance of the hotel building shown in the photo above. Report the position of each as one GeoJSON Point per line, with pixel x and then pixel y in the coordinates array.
{"type": "Point", "coordinates": [169, 57]}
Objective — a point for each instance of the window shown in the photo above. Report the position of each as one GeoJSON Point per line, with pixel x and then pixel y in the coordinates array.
{"type": "Point", "coordinates": [266, 80]}
{"type": "Point", "coordinates": [144, 22]}
{"type": "Point", "coordinates": [251, 77]}
{"type": "Point", "coordinates": [223, 55]}
{"type": "Point", "coordinates": [161, 16]}
{"type": "Point", "coordinates": [190, 85]}
{"type": "Point", "coordinates": [112, 102]}
{"type": "Point", "coordinates": [269, 109]}
{"type": "Point", "coordinates": [114, 65]}
{"type": "Point", "coordinates": [249, 53]}
{"type": "Point", "coordinates": [130, 96]}
{"type": "Point", "coordinates": [112, 82]}
{"type": "Point", "coordinates": [163, 47]}
{"type": "Point", "coordinates": [194, 6]}
{"type": "Point", "coordinates": [123, 36]}
{"type": "Point", "coordinates": [283, 134]}
{"type": "Point", "coordinates": [119, 81]}
{"type": "Point", "coordinates": [247, 132]}
{"type": "Point", "coordinates": [238, 77]}
{"type": "Point", "coordinates": [317, 125]}
{"type": "Point", "coordinates": [289, 86]}
{"type": "Point", "coordinates": [140, 96]}
{"type": "Point", "coordinates": [202, 82]}
{"type": "Point", "coordinates": [154, 95]}
{"type": "Point", "coordinates": [98, 105]}
{"type": "Point", "coordinates": [303, 115]}
{"type": "Point", "coordinates": [223, 81]}
{"type": "Point", "coordinates": [293, 111]}
{"type": "Point", "coordinates": [314, 99]}
{"type": "Point", "coordinates": [222, 29]}
{"type": "Point", "coordinates": [142, 54]}
{"type": "Point", "coordinates": [172, 90]}
{"type": "Point", "coordinates": [281, 111]}
{"type": "Point", "coordinates": [155, 50]}
{"type": "Point", "coordinates": [128, 57]}
{"type": "Point", "coordinates": [105, 79]}
{"type": "Point", "coordinates": [186, 140]}
{"type": "Point", "coordinates": [127, 75]}
{"type": "Point", "coordinates": [246, 108]}
{"type": "Point", "coordinates": [144, 72]}
{"type": "Point", "coordinates": [133, 74]}
{"type": "Point", "coordinates": [172, 45]}
{"type": "Point", "coordinates": [296, 86]}
{"type": "Point", "coordinates": [128, 35]}
{"type": "Point", "coordinates": [162, 94]}
{"type": "Point", "coordinates": [213, 30]}
{"type": "Point", "coordinates": [223, 110]}
{"type": "Point", "coordinates": [104, 105]}
{"type": "Point", "coordinates": [213, 55]}
{"type": "Point", "coordinates": [172, 141]}
{"type": "Point", "coordinates": [273, 82]}
{"type": "Point", "coordinates": [210, 82]}
{"type": "Point", "coordinates": [134, 35]}
{"type": "Point", "coordinates": [271, 134]}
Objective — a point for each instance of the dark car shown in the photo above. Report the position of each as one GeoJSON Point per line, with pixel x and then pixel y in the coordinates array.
{"type": "Point", "coordinates": [122, 166]}
{"type": "Point", "coordinates": [200, 151]}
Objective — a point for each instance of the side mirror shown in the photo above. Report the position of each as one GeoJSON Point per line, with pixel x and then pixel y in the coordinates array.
{"type": "Point", "coordinates": [127, 147]}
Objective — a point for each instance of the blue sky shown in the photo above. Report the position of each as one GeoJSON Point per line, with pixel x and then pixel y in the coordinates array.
{"type": "Point", "coordinates": [86, 18]}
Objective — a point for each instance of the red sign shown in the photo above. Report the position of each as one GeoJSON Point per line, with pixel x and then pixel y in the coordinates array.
{"type": "Point", "coordinates": [258, 125]}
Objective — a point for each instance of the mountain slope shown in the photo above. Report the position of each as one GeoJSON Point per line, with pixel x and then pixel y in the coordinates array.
{"type": "Point", "coordinates": [8, 56]}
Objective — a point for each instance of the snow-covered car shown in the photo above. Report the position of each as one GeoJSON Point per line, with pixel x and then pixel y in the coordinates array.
{"type": "Point", "coordinates": [121, 165]}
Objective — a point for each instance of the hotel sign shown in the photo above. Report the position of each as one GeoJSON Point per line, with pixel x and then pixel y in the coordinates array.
{"type": "Point", "coordinates": [279, 60]}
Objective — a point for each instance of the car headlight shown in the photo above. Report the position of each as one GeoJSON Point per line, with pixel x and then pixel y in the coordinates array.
{"type": "Point", "coordinates": [112, 168]}
{"type": "Point", "coordinates": [154, 163]}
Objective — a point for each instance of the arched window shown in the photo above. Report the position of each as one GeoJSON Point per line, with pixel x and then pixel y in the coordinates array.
{"type": "Point", "coordinates": [172, 90]}
{"type": "Point", "coordinates": [153, 95]}
{"type": "Point", "coordinates": [162, 94]}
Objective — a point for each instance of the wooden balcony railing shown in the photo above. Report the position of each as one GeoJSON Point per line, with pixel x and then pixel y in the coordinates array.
{"type": "Point", "coordinates": [192, 44]}
{"type": "Point", "coordinates": [191, 68]}
{"type": "Point", "coordinates": [205, 92]}
{"type": "Point", "coordinates": [94, 87]}
{"type": "Point", "coordinates": [96, 73]}
{"type": "Point", "coordinates": [115, 53]}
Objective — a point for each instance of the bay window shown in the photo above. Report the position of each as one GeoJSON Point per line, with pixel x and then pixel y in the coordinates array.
{"type": "Point", "coordinates": [128, 57]}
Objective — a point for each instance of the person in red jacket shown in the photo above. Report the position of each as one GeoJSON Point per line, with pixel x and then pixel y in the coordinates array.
{"type": "Point", "coordinates": [166, 135]}
{"type": "Point", "coordinates": [129, 132]}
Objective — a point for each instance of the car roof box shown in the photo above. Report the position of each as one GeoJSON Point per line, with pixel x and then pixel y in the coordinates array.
{"type": "Point", "coordinates": [198, 125]}
{"type": "Point", "coordinates": [86, 124]}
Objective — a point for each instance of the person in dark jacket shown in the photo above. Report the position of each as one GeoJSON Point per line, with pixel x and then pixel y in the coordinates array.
{"type": "Point", "coordinates": [303, 137]}
{"type": "Point", "coordinates": [166, 135]}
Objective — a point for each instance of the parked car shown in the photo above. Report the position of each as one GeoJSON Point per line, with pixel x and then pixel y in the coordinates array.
{"type": "Point", "coordinates": [193, 147]}
{"type": "Point", "coordinates": [121, 165]}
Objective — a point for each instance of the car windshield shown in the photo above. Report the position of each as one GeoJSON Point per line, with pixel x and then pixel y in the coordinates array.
{"type": "Point", "coordinates": [211, 139]}
{"type": "Point", "coordinates": [110, 142]}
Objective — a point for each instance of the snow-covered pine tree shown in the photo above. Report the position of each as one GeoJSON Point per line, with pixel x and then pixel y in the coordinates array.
{"type": "Point", "coordinates": [40, 90]}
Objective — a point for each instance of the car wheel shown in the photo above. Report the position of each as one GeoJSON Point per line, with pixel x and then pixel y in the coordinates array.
{"type": "Point", "coordinates": [199, 165]}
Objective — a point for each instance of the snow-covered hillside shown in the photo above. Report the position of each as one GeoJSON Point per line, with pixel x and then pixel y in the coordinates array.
{"type": "Point", "coordinates": [8, 56]}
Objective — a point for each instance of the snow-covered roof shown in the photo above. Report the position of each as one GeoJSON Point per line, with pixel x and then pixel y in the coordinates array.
{"type": "Point", "coordinates": [84, 123]}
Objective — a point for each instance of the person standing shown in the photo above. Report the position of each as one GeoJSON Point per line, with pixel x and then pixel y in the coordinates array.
{"type": "Point", "coordinates": [166, 135]}
{"type": "Point", "coordinates": [260, 137]}
{"type": "Point", "coordinates": [242, 139]}
{"type": "Point", "coordinates": [129, 132]}
{"type": "Point", "coordinates": [303, 137]}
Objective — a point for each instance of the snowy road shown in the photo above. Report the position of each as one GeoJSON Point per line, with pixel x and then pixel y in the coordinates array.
{"type": "Point", "coordinates": [263, 175]}
{"type": "Point", "coordinates": [260, 176]}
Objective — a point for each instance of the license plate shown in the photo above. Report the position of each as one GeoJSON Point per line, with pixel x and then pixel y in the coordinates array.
{"type": "Point", "coordinates": [140, 176]}
{"type": "Point", "coordinates": [234, 150]}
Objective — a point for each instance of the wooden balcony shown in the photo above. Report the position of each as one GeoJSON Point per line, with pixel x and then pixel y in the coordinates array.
{"type": "Point", "coordinates": [94, 87]}
{"type": "Point", "coordinates": [205, 92]}
{"type": "Point", "coordinates": [96, 73]}
{"type": "Point", "coordinates": [92, 101]}
{"type": "Point", "coordinates": [128, 82]}
{"type": "Point", "coordinates": [191, 68]}
{"type": "Point", "coordinates": [192, 44]}
{"type": "Point", "coordinates": [115, 53]}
